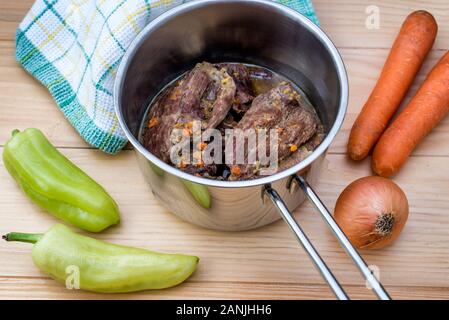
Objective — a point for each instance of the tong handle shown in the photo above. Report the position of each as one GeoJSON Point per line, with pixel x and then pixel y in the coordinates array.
{"type": "Point", "coordinates": [339, 234]}
{"type": "Point", "coordinates": [305, 242]}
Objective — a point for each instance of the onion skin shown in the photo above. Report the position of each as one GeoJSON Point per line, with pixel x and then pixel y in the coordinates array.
{"type": "Point", "coordinates": [372, 212]}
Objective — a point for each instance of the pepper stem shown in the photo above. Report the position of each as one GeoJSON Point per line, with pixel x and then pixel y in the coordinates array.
{"type": "Point", "coordinates": [22, 237]}
{"type": "Point", "coordinates": [14, 132]}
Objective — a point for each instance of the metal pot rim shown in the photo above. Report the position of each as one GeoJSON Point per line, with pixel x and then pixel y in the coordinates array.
{"type": "Point", "coordinates": [294, 15]}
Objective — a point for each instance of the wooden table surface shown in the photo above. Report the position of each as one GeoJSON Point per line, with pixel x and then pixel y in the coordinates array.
{"type": "Point", "coordinates": [260, 264]}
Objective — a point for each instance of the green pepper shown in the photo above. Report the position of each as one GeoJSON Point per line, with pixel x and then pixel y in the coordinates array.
{"type": "Point", "coordinates": [101, 266]}
{"type": "Point", "coordinates": [199, 193]}
{"type": "Point", "coordinates": [56, 184]}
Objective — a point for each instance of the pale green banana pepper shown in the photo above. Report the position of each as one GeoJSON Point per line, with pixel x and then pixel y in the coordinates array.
{"type": "Point", "coordinates": [56, 184]}
{"type": "Point", "coordinates": [104, 267]}
{"type": "Point", "coordinates": [199, 193]}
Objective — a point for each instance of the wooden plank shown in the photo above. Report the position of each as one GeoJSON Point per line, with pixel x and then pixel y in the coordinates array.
{"type": "Point", "coordinates": [267, 255]}
{"type": "Point", "coordinates": [11, 13]}
{"type": "Point", "coordinates": [343, 20]}
{"type": "Point", "coordinates": [25, 103]}
{"type": "Point", "coordinates": [45, 288]}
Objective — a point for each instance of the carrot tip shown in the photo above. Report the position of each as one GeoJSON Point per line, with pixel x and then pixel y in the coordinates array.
{"type": "Point", "coordinates": [356, 154]}
{"type": "Point", "coordinates": [356, 157]}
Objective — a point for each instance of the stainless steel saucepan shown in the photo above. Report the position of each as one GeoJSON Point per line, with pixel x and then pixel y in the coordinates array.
{"type": "Point", "coordinates": [258, 32]}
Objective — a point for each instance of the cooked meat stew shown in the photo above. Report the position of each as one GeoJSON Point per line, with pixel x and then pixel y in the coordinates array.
{"type": "Point", "coordinates": [237, 98]}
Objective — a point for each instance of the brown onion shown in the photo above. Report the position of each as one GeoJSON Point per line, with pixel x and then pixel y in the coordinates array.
{"type": "Point", "coordinates": [372, 211]}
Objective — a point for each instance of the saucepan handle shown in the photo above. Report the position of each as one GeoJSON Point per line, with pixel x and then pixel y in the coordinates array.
{"type": "Point", "coordinates": [305, 242]}
{"type": "Point", "coordinates": [339, 234]}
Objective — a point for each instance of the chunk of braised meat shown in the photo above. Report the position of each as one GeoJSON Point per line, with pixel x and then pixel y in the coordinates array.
{"type": "Point", "coordinates": [280, 109]}
{"type": "Point", "coordinates": [219, 96]}
{"type": "Point", "coordinates": [163, 116]}
{"type": "Point", "coordinates": [244, 87]}
{"type": "Point", "coordinates": [241, 76]}
{"type": "Point", "coordinates": [205, 94]}
{"type": "Point", "coordinates": [303, 151]}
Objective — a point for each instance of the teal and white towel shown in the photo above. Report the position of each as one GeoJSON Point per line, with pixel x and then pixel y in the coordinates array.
{"type": "Point", "coordinates": [73, 47]}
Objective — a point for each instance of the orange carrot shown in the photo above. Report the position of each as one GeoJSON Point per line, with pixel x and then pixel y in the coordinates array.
{"type": "Point", "coordinates": [407, 54]}
{"type": "Point", "coordinates": [426, 109]}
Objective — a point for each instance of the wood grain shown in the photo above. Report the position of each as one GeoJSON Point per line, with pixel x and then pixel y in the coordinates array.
{"type": "Point", "coordinates": [43, 288]}
{"type": "Point", "coordinates": [264, 263]}
{"type": "Point", "coordinates": [344, 21]}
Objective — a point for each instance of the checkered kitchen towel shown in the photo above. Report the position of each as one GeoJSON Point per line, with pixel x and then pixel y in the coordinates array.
{"type": "Point", "coordinates": [74, 47]}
